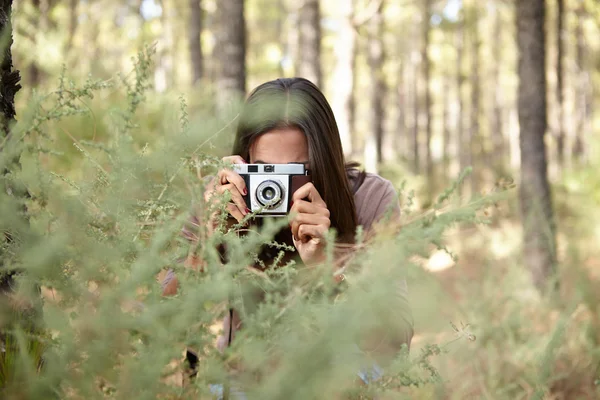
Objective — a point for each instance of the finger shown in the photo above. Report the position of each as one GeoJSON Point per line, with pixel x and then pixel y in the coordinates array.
{"type": "Point", "coordinates": [308, 219]}
{"type": "Point", "coordinates": [229, 176]}
{"type": "Point", "coordinates": [309, 232]}
{"type": "Point", "coordinates": [236, 197]}
{"type": "Point", "coordinates": [303, 206]}
{"type": "Point", "coordinates": [308, 191]}
{"type": "Point", "coordinates": [235, 212]}
{"type": "Point", "coordinates": [234, 160]}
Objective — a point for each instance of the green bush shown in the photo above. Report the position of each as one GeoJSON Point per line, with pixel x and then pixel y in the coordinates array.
{"type": "Point", "coordinates": [107, 186]}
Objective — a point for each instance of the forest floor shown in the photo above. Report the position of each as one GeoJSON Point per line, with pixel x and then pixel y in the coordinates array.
{"type": "Point", "coordinates": [524, 346]}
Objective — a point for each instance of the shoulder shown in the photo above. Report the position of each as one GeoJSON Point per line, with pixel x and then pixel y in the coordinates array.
{"type": "Point", "coordinates": [373, 198]}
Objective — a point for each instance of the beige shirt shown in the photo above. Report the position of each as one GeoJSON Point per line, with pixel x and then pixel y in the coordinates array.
{"type": "Point", "coordinates": [373, 198]}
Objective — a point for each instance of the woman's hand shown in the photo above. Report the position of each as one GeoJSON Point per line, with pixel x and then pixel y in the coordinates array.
{"type": "Point", "coordinates": [230, 181]}
{"type": "Point", "coordinates": [309, 223]}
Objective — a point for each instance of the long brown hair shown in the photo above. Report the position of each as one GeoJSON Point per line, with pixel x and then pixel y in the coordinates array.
{"type": "Point", "coordinates": [298, 103]}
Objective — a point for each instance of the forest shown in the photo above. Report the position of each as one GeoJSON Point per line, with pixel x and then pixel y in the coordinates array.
{"type": "Point", "coordinates": [481, 113]}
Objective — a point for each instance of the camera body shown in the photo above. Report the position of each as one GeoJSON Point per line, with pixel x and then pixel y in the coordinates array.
{"type": "Point", "coordinates": [271, 186]}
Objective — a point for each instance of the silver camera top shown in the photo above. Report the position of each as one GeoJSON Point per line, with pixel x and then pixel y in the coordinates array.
{"type": "Point", "coordinates": [276, 169]}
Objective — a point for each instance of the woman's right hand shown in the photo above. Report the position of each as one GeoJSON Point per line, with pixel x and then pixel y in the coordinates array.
{"type": "Point", "coordinates": [230, 181]}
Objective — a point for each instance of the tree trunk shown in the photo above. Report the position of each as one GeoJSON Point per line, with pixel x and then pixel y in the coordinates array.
{"type": "Point", "coordinates": [231, 51]}
{"type": "Point", "coordinates": [72, 24]}
{"type": "Point", "coordinates": [560, 46]}
{"type": "Point", "coordinates": [581, 89]}
{"type": "Point", "coordinates": [41, 12]}
{"type": "Point", "coordinates": [414, 77]}
{"type": "Point", "coordinates": [309, 42]}
{"type": "Point", "coordinates": [539, 242]}
{"type": "Point", "coordinates": [497, 127]}
{"type": "Point", "coordinates": [342, 100]}
{"type": "Point", "coordinates": [446, 125]}
{"type": "Point", "coordinates": [401, 93]}
{"type": "Point", "coordinates": [425, 30]}
{"type": "Point", "coordinates": [375, 58]}
{"type": "Point", "coordinates": [461, 144]}
{"type": "Point", "coordinates": [194, 42]}
{"type": "Point", "coordinates": [9, 86]}
{"type": "Point", "coordinates": [476, 149]}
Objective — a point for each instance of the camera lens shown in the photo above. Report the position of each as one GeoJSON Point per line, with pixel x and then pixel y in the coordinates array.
{"type": "Point", "coordinates": [269, 194]}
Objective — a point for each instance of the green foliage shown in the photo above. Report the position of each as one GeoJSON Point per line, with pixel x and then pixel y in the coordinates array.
{"type": "Point", "coordinates": [95, 240]}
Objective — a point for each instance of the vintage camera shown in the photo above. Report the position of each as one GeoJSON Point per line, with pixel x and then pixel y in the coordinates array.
{"type": "Point", "coordinates": [271, 186]}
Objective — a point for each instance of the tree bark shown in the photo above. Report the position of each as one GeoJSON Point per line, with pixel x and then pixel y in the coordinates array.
{"type": "Point", "coordinates": [9, 86]}
{"type": "Point", "coordinates": [582, 105]}
{"type": "Point", "coordinates": [402, 143]}
{"type": "Point", "coordinates": [446, 125]}
{"type": "Point", "coordinates": [231, 51]}
{"type": "Point", "coordinates": [41, 9]}
{"type": "Point", "coordinates": [497, 128]}
{"type": "Point", "coordinates": [376, 57]}
{"type": "Point", "coordinates": [560, 46]}
{"type": "Point", "coordinates": [343, 76]}
{"type": "Point", "coordinates": [309, 42]}
{"type": "Point", "coordinates": [476, 149]}
{"type": "Point", "coordinates": [539, 243]}
{"type": "Point", "coordinates": [426, 64]}
{"type": "Point", "coordinates": [460, 79]}
{"type": "Point", "coordinates": [194, 41]}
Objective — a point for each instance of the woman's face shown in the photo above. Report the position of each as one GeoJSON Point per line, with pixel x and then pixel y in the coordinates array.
{"type": "Point", "coordinates": [280, 146]}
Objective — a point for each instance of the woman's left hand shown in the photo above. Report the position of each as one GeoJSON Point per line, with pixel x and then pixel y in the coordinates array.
{"type": "Point", "coordinates": [309, 223]}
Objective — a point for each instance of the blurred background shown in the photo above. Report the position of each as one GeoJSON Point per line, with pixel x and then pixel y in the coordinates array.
{"type": "Point", "coordinates": [421, 90]}
{"type": "Point", "coordinates": [429, 83]}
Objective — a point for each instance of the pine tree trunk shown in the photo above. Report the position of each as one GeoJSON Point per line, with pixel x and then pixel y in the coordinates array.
{"type": "Point", "coordinates": [194, 42]}
{"type": "Point", "coordinates": [376, 58]}
{"type": "Point", "coordinates": [425, 29]}
{"type": "Point", "coordinates": [476, 149]}
{"type": "Point", "coordinates": [309, 42]}
{"type": "Point", "coordinates": [497, 127]}
{"type": "Point", "coordinates": [539, 242]}
{"type": "Point", "coordinates": [560, 46]}
{"type": "Point", "coordinates": [9, 86]}
{"type": "Point", "coordinates": [402, 143]}
{"type": "Point", "coordinates": [581, 89]}
{"type": "Point", "coordinates": [40, 8]}
{"type": "Point", "coordinates": [461, 143]}
{"type": "Point", "coordinates": [446, 126]}
{"type": "Point", "coordinates": [342, 100]}
{"type": "Point", "coordinates": [231, 51]}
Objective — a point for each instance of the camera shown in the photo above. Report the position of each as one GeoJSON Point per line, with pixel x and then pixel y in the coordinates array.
{"type": "Point", "coordinates": [271, 186]}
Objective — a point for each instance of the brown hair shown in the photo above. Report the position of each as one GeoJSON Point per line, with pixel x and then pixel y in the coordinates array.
{"type": "Point", "coordinates": [298, 103]}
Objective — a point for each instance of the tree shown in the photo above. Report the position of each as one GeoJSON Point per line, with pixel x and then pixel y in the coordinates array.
{"type": "Point", "coordinates": [9, 78]}
{"type": "Point", "coordinates": [231, 50]}
{"type": "Point", "coordinates": [309, 42]}
{"type": "Point", "coordinates": [9, 86]}
{"type": "Point", "coordinates": [194, 42]}
{"type": "Point", "coordinates": [536, 205]}
{"type": "Point", "coordinates": [583, 102]}
{"type": "Point", "coordinates": [461, 147]}
{"type": "Point", "coordinates": [560, 46]}
{"type": "Point", "coordinates": [475, 137]}
{"type": "Point", "coordinates": [497, 126]}
{"type": "Point", "coordinates": [376, 59]}
{"type": "Point", "coordinates": [426, 70]}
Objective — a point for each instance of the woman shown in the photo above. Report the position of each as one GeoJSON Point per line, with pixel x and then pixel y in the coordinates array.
{"type": "Point", "coordinates": [290, 121]}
